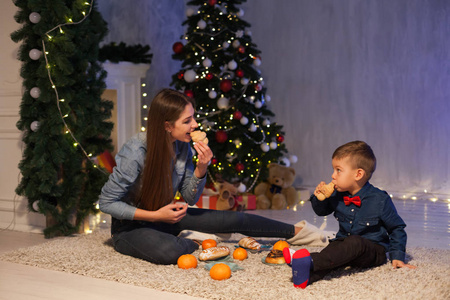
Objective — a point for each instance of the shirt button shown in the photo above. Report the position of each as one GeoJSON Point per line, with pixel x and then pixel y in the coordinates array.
{"type": "Point", "coordinates": [368, 224]}
{"type": "Point", "coordinates": [351, 222]}
{"type": "Point", "coordinates": [353, 209]}
{"type": "Point", "coordinates": [348, 233]}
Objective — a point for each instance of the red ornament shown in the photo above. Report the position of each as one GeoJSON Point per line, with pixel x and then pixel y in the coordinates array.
{"type": "Point", "coordinates": [177, 47]}
{"type": "Point", "coordinates": [258, 87]}
{"type": "Point", "coordinates": [221, 136]}
{"type": "Point", "coordinates": [212, 2]}
{"type": "Point", "coordinates": [241, 49]}
{"type": "Point", "coordinates": [239, 167]}
{"type": "Point", "coordinates": [239, 73]}
{"type": "Point", "coordinates": [180, 75]}
{"type": "Point", "coordinates": [189, 93]}
{"type": "Point", "coordinates": [209, 76]}
{"type": "Point", "coordinates": [226, 85]}
{"type": "Point", "coordinates": [214, 161]}
{"type": "Point", "coordinates": [237, 115]}
{"type": "Point", "coordinates": [280, 139]}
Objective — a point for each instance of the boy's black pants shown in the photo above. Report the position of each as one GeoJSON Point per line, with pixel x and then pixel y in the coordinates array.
{"type": "Point", "coordinates": [354, 251]}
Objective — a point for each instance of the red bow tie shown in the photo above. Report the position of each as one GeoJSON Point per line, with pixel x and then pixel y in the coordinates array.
{"type": "Point", "coordinates": [355, 200]}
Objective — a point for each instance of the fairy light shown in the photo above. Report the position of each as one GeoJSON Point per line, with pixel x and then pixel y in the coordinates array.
{"type": "Point", "coordinates": [69, 21]}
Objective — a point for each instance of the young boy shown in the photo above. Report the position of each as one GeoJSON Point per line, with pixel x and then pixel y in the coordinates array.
{"type": "Point", "coordinates": [369, 225]}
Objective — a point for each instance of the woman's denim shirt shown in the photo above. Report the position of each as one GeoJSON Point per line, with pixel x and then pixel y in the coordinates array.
{"type": "Point", "coordinates": [119, 192]}
{"type": "Point", "coordinates": [376, 219]}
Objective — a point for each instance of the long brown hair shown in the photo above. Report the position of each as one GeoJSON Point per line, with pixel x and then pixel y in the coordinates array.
{"type": "Point", "coordinates": [156, 185]}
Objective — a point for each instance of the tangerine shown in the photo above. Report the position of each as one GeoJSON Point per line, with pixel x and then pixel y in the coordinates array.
{"type": "Point", "coordinates": [240, 254]}
{"type": "Point", "coordinates": [280, 245]}
{"type": "Point", "coordinates": [220, 271]}
{"type": "Point", "coordinates": [187, 261]}
{"type": "Point", "coordinates": [208, 243]}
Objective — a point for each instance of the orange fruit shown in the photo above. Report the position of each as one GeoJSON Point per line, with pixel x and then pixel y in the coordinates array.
{"type": "Point", "coordinates": [220, 271]}
{"type": "Point", "coordinates": [280, 245]}
{"type": "Point", "coordinates": [208, 244]}
{"type": "Point", "coordinates": [187, 261]}
{"type": "Point", "coordinates": [240, 254]}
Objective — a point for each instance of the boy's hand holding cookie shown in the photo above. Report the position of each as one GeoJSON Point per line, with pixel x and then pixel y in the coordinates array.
{"type": "Point", "coordinates": [324, 190]}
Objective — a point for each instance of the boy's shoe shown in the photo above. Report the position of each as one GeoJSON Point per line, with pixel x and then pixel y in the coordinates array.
{"type": "Point", "coordinates": [301, 267]}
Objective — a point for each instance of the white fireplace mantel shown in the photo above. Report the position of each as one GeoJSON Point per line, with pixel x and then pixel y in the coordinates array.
{"type": "Point", "coordinates": [125, 77]}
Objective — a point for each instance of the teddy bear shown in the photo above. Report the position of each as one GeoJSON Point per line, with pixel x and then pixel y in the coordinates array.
{"type": "Point", "coordinates": [277, 192]}
{"type": "Point", "coordinates": [227, 197]}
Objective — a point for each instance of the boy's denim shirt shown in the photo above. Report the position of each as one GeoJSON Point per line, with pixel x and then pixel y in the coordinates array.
{"type": "Point", "coordinates": [376, 219]}
{"type": "Point", "coordinates": [119, 192]}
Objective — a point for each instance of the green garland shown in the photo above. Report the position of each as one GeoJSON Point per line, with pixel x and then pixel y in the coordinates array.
{"type": "Point", "coordinates": [115, 53]}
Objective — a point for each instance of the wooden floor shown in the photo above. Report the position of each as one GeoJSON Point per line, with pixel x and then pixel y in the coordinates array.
{"type": "Point", "coordinates": [428, 226]}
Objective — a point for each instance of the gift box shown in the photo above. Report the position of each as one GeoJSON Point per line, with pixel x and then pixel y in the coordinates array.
{"type": "Point", "coordinates": [248, 201]}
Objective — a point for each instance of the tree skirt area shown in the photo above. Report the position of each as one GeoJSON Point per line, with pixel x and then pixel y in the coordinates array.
{"type": "Point", "coordinates": [93, 255]}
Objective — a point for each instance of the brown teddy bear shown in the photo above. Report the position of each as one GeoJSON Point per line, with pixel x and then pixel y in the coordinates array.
{"type": "Point", "coordinates": [277, 192]}
{"type": "Point", "coordinates": [227, 197]}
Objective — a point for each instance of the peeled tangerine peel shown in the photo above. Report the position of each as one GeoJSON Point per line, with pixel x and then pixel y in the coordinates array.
{"type": "Point", "coordinates": [198, 136]}
{"type": "Point", "coordinates": [326, 191]}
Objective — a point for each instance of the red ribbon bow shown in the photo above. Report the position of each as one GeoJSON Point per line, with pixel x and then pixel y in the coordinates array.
{"type": "Point", "coordinates": [355, 200]}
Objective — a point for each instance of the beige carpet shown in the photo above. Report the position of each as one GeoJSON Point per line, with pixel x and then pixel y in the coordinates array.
{"type": "Point", "coordinates": [92, 255]}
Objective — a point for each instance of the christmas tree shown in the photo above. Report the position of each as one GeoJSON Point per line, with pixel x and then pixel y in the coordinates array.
{"type": "Point", "coordinates": [220, 71]}
{"type": "Point", "coordinates": [62, 116]}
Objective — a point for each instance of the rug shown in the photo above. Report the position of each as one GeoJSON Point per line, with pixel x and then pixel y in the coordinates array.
{"type": "Point", "coordinates": [93, 255]}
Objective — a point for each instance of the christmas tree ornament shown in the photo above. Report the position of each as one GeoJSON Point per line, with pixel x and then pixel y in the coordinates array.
{"type": "Point", "coordinates": [258, 104]}
{"type": "Point", "coordinates": [293, 159]}
{"type": "Point", "coordinates": [241, 49]}
{"type": "Point", "coordinates": [237, 115]}
{"type": "Point", "coordinates": [190, 12]}
{"type": "Point", "coordinates": [251, 99]}
{"type": "Point", "coordinates": [252, 128]}
{"type": "Point", "coordinates": [209, 76]}
{"type": "Point", "coordinates": [248, 32]}
{"type": "Point", "coordinates": [180, 75]}
{"type": "Point", "coordinates": [237, 142]}
{"type": "Point", "coordinates": [239, 167]}
{"type": "Point", "coordinates": [240, 13]}
{"type": "Point", "coordinates": [273, 145]}
{"type": "Point", "coordinates": [212, 2]}
{"type": "Point", "coordinates": [258, 87]}
{"type": "Point", "coordinates": [265, 147]}
{"type": "Point", "coordinates": [242, 188]}
{"type": "Point", "coordinates": [236, 43]}
{"type": "Point", "coordinates": [286, 161]}
{"type": "Point", "coordinates": [35, 54]}
{"type": "Point", "coordinates": [35, 92]}
{"type": "Point", "coordinates": [207, 63]}
{"type": "Point", "coordinates": [201, 24]}
{"type": "Point", "coordinates": [239, 73]}
{"type": "Point", "coordinates": [214, 161]}
{"type": "Point", "coordinates": [189, 93]}
{"type": "Point", "coordinates": [225, 85]}
{"type": "Point", "coordinates": [177, 47]}
{"type": "Point", "coordinates": [257, 62]}
{"type": "Point", "coordinates": [232, 65]}
{"type": "Point", "coordinates": [268, 98]}
{"type": "Point", "coordinates": [223, 103]}
{"type": "Point", "coordinates": [34, 17]}
{"type": "Point", "coordinates": [225, 45]}
{"type": "Point", "coordinates": [212, 94]}
{"type": "Point", "coordinates": [35, 206]}
{"type": "Point", "coordinates": [244, 121]}
{"type": "Point", "coordinates": [34, 126]}
{"type": "Point", "coordinates": [280, 139]}
{"type": "Point", "coordinates": [244, 81]}
{"type": "Point", "coordinates": [266, 122]}
{"type": "Point", "coordinates": [221, 136]}
{"type": "Point", "coordinates": [190, 75]}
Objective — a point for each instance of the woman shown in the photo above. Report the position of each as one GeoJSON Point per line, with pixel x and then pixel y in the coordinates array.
{"type": "Point", "coordinates": [139, 196]}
